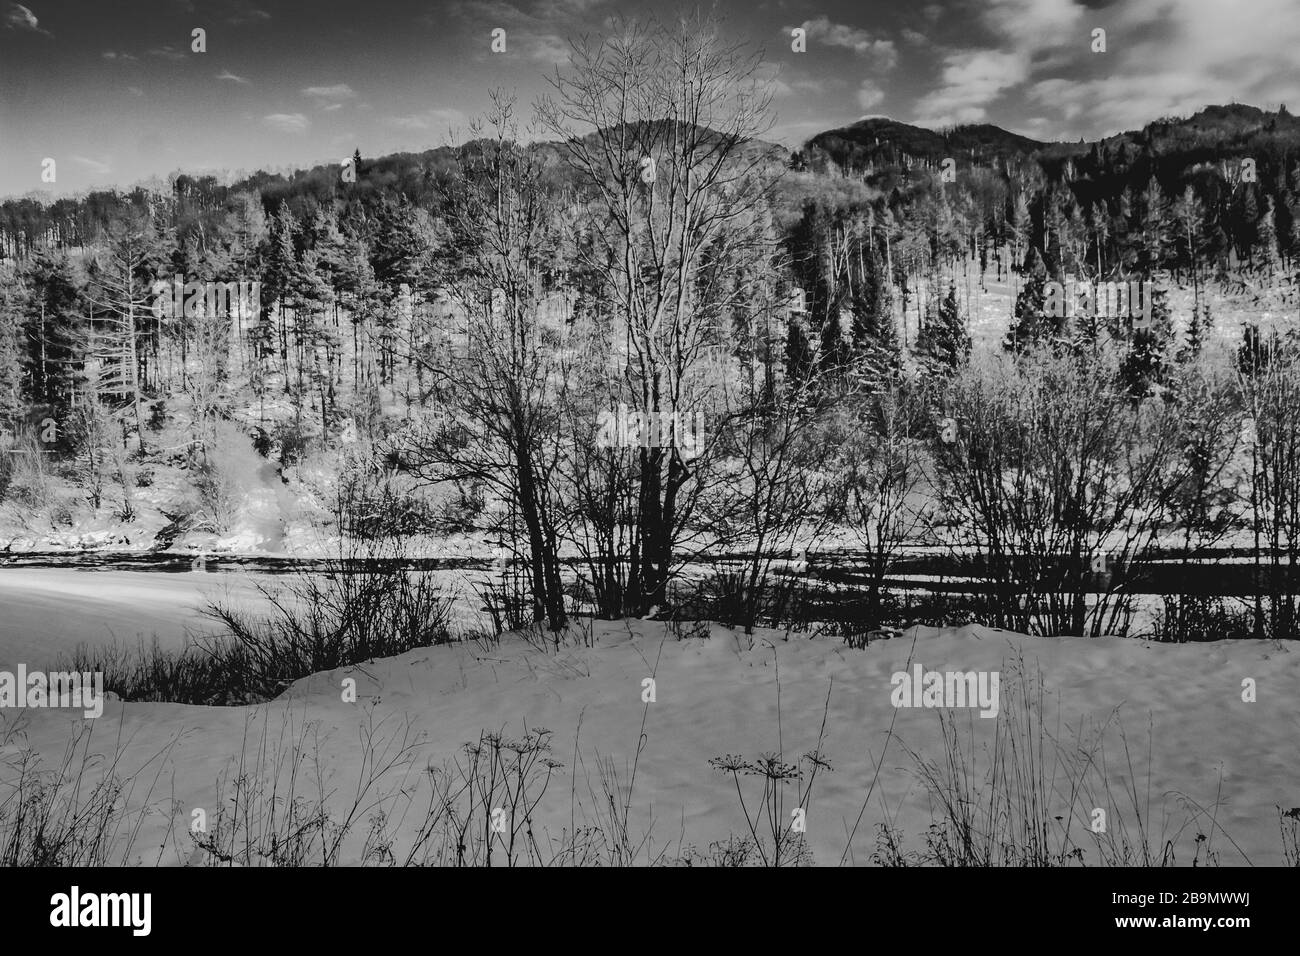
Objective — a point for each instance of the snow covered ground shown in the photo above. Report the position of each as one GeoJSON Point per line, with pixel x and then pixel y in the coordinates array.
{"type": "Point", "coordinates": [49, 611]}
{"type": "Point", "coordinates": [1191, 739]}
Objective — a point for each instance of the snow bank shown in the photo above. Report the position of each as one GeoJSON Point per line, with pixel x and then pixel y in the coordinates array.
{"type": "Point", "coordinates": [718, 695]}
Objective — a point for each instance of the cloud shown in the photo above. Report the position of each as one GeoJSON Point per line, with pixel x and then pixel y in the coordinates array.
{"type": "Point", "coordinates": [1025, 33]}
{"type": "Point", "coordinates": [824, 30]}
{"type": "Point", "coordinates": [1163, 57]}
{"type": "Point", "coordinates": [332, 97]}
{"type": "Point", "coordinates": [972, 79]}
{"type": "Point", "coordinates": [227, 75]}
{"type": "Point", "coordinates": [120, 57]}
{"type": "Point", "coordinates": [435, 119]}
{"type": "Point", "coordinates": [94, 165]}
{"type": "Point", "coordinates": [1030, 25]}
{"type": "Point", "coordinates": [551, 9]}
{"type": "Point", "coordinates": [18, 17]}
{"type": "Point", "coordinates": [167, 52]}
{"type": "Point", "coordinates": [286, 122]}
{"type": "Point", "coordinates": [1173, 57]}
{"type": "Point", "coordinates": [549, 48]}
{"type": "Point", "coordinates": [492, 12]}
{"type": "Point", "coordinates": [135, 91]}
{"type": "Point", "coordinates": [338, 91]}
{"type": "Point", "coordinates": [769, 73]}
{"type": "Point", "coordinates": [869, 94]}
{"type": "Point", "coordinates": [240, 12]}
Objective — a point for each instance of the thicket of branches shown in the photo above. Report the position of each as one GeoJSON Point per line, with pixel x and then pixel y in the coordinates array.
{"type": "Point", "coordinates": [632, 332]}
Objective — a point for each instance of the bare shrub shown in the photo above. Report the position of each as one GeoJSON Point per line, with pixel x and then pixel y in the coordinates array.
{"type": "Point", "coordinates": [76, 812]}
{"type": "Point", "coordinates": [366, 602]}
{"type": "Point", "coordinates": [1056, 481]}
{"type": "Point", "coordinates": [222, 473]}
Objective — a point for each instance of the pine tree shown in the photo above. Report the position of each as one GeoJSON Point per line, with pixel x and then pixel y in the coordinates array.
{"type": "Point", "coordinates": [53, 310]}
{"type": "Point", "coordinates": [877, 352]}
{"type": "Point", "coordinates": [1198, 328]}
{"type": "Point", "coordinates": [833, 339]}
{"type": "Point", "coordinates": [1255, 352]}
{"type": "Point", "coordinates": [279, 262]}
{"type": "Point", "coordinates": [799, 355]}
{"type": "Point", "coordinates": [13, 306]}
{"type": "Point", "coordinates": [1144, 367]}
{"type": "Point", "coordinates": [944, 345]}
{"type": "Point", "coordinates": [1266, 242]}
{"type": "Point", "coordinates": [1030, 324]}
{"type": "Point", "coordinates": [1156, 228]}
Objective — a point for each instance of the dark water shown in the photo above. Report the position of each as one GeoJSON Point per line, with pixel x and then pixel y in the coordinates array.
{"type": "Point", "coordinates": [1223, 571]}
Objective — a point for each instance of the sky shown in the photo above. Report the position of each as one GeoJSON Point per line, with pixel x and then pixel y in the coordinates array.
{"type": "Point", "coordinates": [115, 93]}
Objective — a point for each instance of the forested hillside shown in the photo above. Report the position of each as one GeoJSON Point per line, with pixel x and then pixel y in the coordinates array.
{"type": "Point", "coordinates": [462, 345]}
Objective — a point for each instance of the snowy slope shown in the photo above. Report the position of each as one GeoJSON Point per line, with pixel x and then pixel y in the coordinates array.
{"type": "Point", "coordinates": [719, 695]}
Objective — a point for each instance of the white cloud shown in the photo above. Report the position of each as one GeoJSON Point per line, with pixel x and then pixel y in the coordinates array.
{"type": "Point", "coordinates": [1177, 56]}
{"type": "Point", "coordinates": [338, 91]}
{"type": "Point", "coordinates": [823, 30]}
{"type": "Point", "coordinates": [1025, 32]}
{"type": "Point", "coordinates": [332, 97]}
{"type": "Point", "coordinates": [869, 94]}
{"type": "Point", "coordinates": [972, 79]}
{"type": "Point", "coordinates": [242, 12]}
{"type": "Point", "coordinates": [94, 165]}
{"type": "Point", "coordinates": [120, 57]}
{"type": "Point", "coordinates": [227, 75]}
{"type": "Point", "coordinates": [286, 122]}
{"type": "Point", "coordinates": [436, 119]}
{"type": "Point", "coordinates": [18, 17]}
{"type": "Point", "coordinates": [549, 48]}
{"type": "Point", "coordinates": [1029, 25]}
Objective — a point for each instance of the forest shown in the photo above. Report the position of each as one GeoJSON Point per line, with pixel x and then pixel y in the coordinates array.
{"type": "Point", "coordinates": [624, 333]}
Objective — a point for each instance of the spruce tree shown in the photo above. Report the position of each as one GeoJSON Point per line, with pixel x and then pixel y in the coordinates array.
{"type": "Point", "coordinates": [1266, 242]}
{"type": "Point", "coordinates": [944, 345]}
{"type": "Point", "coordinates": [1144, 367]}
{"type": "Point", "coordinates": [1029, 324]}
{"type": "Point", "coordinates": [877, 352]}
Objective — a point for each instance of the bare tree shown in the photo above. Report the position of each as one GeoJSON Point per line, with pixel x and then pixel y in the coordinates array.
{"type": "Point", "coordinates": [499, 388]}
{"type": "Point", "coordinates": [880, 455]}
{"type": "Point", "coordinates": [1057, 481]}
{"type": "Point", "coordinates": [120, 294]}
{"type": "Point", "coordinates": [1271, 434]}
{"type": "Point", "coordinates": [660, 126]}
{"type": "Point", "coordinates": [771, 502]}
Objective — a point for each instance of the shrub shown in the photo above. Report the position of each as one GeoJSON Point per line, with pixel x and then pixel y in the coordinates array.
{"type": "Point", "coordinates": [366, 602]}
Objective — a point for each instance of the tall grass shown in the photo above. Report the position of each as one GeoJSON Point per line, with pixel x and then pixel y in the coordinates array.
{"type": "Point", "coordinates": [77, 811]}
{"type": "Point", "coordinates": [1033, 797]}
{"type": "Point", "coordinates": [366, 602]}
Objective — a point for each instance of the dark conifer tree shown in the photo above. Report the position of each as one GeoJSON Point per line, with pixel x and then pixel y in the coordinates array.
{"type": "Point", "coordinates": [944, 345]}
